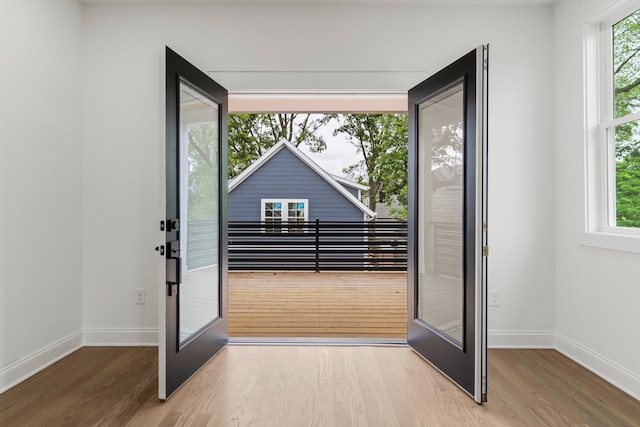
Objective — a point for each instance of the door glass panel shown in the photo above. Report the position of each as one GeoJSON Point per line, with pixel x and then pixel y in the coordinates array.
{"type": "Point", "coordinates": [440, 290]}
{"type": "Point", "coordinates": [199, 225]}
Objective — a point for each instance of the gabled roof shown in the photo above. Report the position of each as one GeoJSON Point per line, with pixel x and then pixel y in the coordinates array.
{"type": "Point", "coordinates": [284, 144]}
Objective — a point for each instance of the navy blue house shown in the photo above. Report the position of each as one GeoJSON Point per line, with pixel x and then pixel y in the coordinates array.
{"type": "Point", "coordinates": [285, 185]}
{"type": "Point", "coordinates": [272, 202]}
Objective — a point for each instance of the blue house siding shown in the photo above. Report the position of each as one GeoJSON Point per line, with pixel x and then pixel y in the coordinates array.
{"type": "Point", "coordinates": [285, 176]}
{"type": "Point", "coordinates": [351, 190]}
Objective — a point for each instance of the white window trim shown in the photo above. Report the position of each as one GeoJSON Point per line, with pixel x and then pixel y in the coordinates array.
{"type": "Point", "coordinates": [285, 209]}
{"type": "Point", "coordinates": [600, 177]}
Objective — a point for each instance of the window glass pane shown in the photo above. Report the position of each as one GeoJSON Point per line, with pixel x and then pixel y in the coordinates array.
{"type": "Point", "coordinates": [626, 65]}
{"type": "Point", "coordinates": [200, 288]}
{"type": "Point", "coordinates": [295, 212]}
{"type": "Point", "coordinates": [272, 215]}
{"type": "Point", "coordinates": [627, 175]}
{"type": "Point", "coordinates": [440, 290]}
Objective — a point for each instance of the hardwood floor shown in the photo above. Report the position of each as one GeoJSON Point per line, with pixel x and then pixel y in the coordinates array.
{"type": "Point", "coordinates": [313, 386]}
{"type": "Point", "coordinates": [325, 305]}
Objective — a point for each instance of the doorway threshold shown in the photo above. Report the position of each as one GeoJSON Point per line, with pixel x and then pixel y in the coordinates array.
{"type": "Point", "coordinates": [318, 341]}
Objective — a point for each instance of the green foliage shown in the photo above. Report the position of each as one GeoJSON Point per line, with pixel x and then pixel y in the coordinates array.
{"type": "Point", "coordinates": [381, 139]}
{"type": "Point", "coordinates": [628, 192]}
{"type": "Point", "coordinates": [250, 135]}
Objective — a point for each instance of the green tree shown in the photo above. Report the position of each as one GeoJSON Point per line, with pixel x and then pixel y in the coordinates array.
{"type": "Point", "coordinates": [626, 81]}
{"type": "Point", "coordinates": [626, 87]}
{"type": "Point", "coordinates": [626, 65]}
{"type": "Point", "coordinates": [381, 140]}
{"type": "Point", "coordinates": [250, 135]}
{"type": "Point", "coordinates": [628, 192]}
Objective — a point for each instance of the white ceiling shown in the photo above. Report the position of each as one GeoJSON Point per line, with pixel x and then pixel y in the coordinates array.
{"type": "Point", "coordinates": [390, 2]}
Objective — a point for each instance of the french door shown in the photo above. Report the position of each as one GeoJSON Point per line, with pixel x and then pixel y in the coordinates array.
{"type": "Point", "coordinates": [193, 310]}
{"type": "Point", "coordinates": [447, 241]}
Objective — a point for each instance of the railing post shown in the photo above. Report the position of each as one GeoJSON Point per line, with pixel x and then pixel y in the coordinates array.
{"type": "Point", "coordinates": [317, 245]}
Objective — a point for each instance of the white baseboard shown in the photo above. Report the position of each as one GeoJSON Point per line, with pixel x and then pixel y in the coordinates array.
{"type": "Point", "coordinates": [120, 337]}
{"type": "Point", "coordinates": [30, 365]}
{"type": "Point", "coordinates": [610, 371]}
{"type": "Point", "coordinates": [521, 339]}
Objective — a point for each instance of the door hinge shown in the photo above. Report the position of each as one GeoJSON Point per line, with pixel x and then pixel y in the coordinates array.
{"type": "Point", "coordinates": [484, 226]}
{"type": "Point", "coordinates": [172, 289]}
{"type": "Point", "coordinates": [160, 249]}
{"type": "Point", "coordinates": [485, 251]}
{"type": "Point", "coordinates": [161, 225]}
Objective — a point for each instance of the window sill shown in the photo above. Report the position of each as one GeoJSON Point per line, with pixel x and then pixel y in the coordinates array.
{"type": "Point", "coordinates": [613, 241]}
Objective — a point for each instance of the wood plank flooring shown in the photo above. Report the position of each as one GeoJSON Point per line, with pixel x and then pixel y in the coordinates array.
{"type": "Point", "coordinates": [324, 386]}
{"type": "Point", "coordinates": [325, 305]}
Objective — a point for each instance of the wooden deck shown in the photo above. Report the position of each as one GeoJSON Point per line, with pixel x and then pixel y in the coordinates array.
{"type": "Point", "coordinates": [317, 305]}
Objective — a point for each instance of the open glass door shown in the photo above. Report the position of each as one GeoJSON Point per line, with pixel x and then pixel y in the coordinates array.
{"type": "Point", "coordinates": [193, 310]}
{"type": "Point", "coordinates": [447, 221]}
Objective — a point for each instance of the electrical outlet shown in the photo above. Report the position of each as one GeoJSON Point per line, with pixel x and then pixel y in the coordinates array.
{"type": "Point", "coordinates": [494, 300]}
{"type": "Point", "coordinates": [140, 297]}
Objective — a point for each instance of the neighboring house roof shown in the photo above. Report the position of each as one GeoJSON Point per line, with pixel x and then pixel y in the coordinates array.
{"type": "Point", "coordinates": [349, 183]}
{"type": "Point", "coordinates": [332, 181]}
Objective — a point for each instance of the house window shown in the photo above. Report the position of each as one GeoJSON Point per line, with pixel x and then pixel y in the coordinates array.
{"type": "Point", "coordinates": [290, 213]}
{"type": "Point", "coordinates": [296, 214]}
{"type": "Point", "coordinates": [613, 121]}
{"type": "Point", "coordinates": [272, 216]}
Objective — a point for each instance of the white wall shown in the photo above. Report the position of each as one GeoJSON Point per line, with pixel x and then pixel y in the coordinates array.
{"type": "Point", "coordinates": [121, 140]}
{"type": "Point", "coordinates": [40, 199]}
{"type": "Point", "coordinates": [597, 290]}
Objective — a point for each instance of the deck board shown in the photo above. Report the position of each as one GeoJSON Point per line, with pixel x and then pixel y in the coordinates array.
{"type": "Point", "coordinates": [317, 305]}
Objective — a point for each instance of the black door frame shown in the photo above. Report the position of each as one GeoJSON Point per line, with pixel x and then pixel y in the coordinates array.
{"type": "Point", "coordinates": [466, 366]}
{"type": "Point", "coordinates": [180, 362]}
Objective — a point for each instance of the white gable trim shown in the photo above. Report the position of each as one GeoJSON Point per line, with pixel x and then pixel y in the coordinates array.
{"type": "Point", "coordinates": [349, 183]}
{"type": "Point", "coordinates": [235, 182]}
{"type": "Point", "coordinates": [255, 165]}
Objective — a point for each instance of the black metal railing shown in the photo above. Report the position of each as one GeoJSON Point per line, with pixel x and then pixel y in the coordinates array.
{"type": "Point", "coordinates": [318, 246]}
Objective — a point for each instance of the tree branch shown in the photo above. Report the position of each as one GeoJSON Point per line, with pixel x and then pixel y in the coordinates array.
{"type": "Point", "coordinates": [626, 61]}
{"type": "Point", "coordinates": [627, 88]}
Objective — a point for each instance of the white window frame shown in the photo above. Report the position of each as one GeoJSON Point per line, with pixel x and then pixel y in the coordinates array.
{"type": "Point", "coordinates": [600, 228]}
{"type": "Point", "coordinates": [285, 210]}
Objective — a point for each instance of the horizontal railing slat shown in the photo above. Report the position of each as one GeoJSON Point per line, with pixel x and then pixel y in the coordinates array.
{"type": "Point", "coordinates": [322, 246]}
